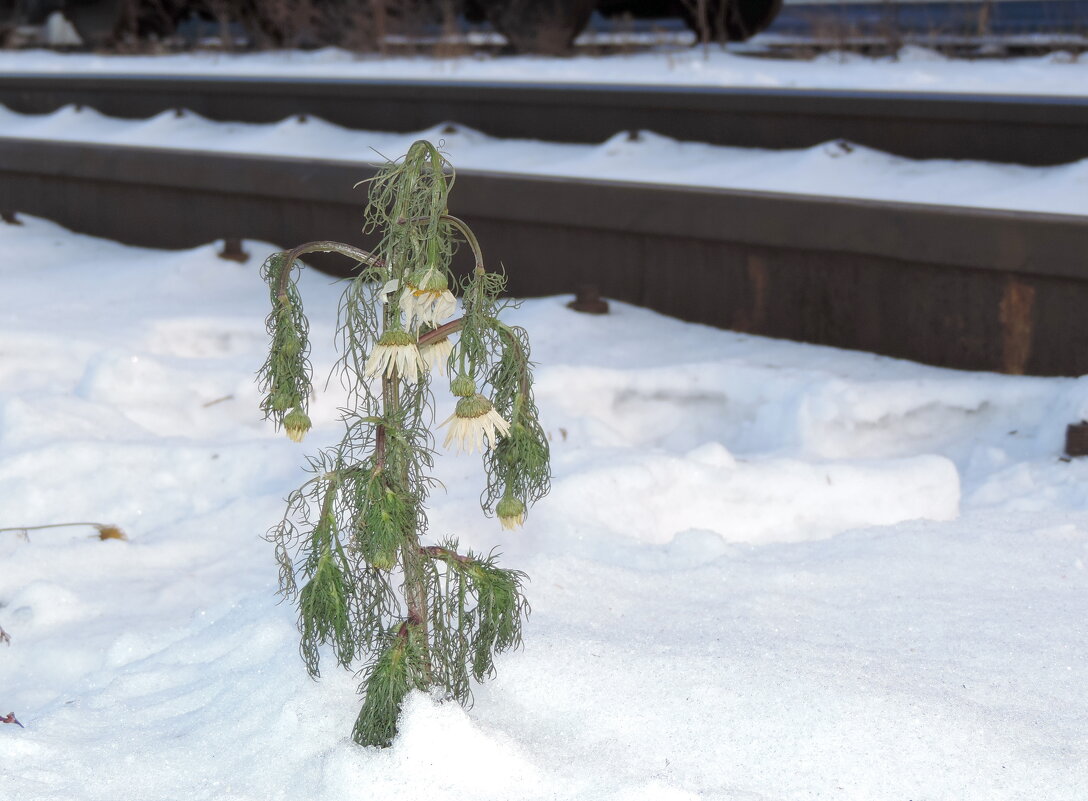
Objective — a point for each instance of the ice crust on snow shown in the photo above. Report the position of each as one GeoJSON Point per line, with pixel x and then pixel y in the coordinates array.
{"type": "Point", "coordinates": [836, 168]}
{"type": "Point", "coordinates": [768, 570]}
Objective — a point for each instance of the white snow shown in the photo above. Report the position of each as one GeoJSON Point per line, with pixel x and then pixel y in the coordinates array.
{"type": "Point", "coordinates": [914, 69]}
{"type": "Point", "coordinates": [839, 168]}
{"type": "Point", "coordinates": [768, 571]}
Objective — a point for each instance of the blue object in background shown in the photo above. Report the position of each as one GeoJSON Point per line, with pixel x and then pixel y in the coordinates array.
{"type": "Point", "coordinates": [1001, 17]}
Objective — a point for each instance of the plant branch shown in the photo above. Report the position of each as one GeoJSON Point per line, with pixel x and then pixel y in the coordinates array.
{"type": "Point", "coordinates": [438, 552]}
{"type": "Point", "coordinates": [320, 246]}
{"type": "Point", "coordinates": [453, 326]}
{"type": "Point", "coordinates": [444, 330]}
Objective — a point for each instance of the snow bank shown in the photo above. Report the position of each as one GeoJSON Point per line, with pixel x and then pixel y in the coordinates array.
{"type": "Point", "coordinates": [769, 500]}
{"type": "Point", "coordinates": [838, 169]}
{"type": "Point", "coordinates": [767, 571]}
{"type": "Point", "coordinates": [913, 69]}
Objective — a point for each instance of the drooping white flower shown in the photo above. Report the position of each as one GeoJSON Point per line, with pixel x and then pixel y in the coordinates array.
{"type": "Point", "coordinates": [475, 425]}
{"type": "Point", "coordinates": [426, 298]}
{"type": "Point", "coordinates": [511, 512]}
{"type": "Point", "coordinates": [396, 352]}
{"type": "Point", "coordinates": [436, 354]}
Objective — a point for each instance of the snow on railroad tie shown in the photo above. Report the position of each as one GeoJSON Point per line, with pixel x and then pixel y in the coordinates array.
{"type": "Point", "coordinates": [724, 606]}
{"type": "Point", "coordinates": [836, 168]}
{"type": "Point", "coordinates": [913, 68]}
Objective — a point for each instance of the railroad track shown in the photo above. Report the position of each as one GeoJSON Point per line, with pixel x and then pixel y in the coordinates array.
{"type": "Point", "coordinates": [1013, 129]}
{"type": "Point", "coordinates": [956, 287]}
{"type": "Point", "coordinates": [949, 286]}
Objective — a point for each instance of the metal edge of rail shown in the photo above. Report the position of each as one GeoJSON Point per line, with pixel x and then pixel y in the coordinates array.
{"type": "Point", "coordinates": [1033, 130]}
{"type": "Point", "coordinates": [956, 287]}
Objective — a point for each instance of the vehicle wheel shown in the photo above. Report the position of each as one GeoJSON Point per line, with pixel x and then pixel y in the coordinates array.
{"type": "Point", "coordinates": [728, 20]}
{"type": "Point", "coordinates": [96, 21]}
{"type": "Point", "coordinates": [548, 27]}
{"type": "Point", "coordinates": [104, 22]}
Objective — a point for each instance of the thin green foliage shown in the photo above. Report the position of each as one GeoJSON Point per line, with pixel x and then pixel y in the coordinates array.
{"type": "Point", "coordinates": [400, 667]}
{"type": "Point", "coordinates": [350, 545]}
{"type": "Point", "coordinates": [285, 376]}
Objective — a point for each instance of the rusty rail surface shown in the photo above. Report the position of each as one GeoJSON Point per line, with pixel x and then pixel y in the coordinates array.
{"type": "Point", "coordinates": [956, 287]}
{"type": "Point", "coordinates": [1007, 128]}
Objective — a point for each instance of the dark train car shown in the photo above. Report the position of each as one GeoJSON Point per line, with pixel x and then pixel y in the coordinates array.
{"type": "Point", "coordinates": [551, 26]}
{"type": "Point", "coordinates": [528, 25]}
{"type": "Point", "coordinates": [524, 22]}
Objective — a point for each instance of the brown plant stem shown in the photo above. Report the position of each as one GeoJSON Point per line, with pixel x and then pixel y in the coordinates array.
{"type": "Point", "coordinates": [444, 330]}
{"type": "Point", "coordinates": [438, 552]}
{"type": "Point", "coordinates": [415, 591]}
{"type": "Point", "coordinates": [453, 326]}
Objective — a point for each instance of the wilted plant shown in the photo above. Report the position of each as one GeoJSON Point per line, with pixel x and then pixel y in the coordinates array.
{"type": "Point", "coordinates": [351, 544]}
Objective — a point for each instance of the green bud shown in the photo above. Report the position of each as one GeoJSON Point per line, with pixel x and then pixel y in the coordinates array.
{"type": "Point", "coordinates": [292, 345]}
{"type": "Point", "coordinates": [384, 560]}
{"type": "Point", "coordinates": [463, 386]}
{"type": "Point", "coordinates": [511, 512]}
{"type": "Point", "coordinates": [385, 526]}
{"type": "Point", "coordinates": [297, 423]}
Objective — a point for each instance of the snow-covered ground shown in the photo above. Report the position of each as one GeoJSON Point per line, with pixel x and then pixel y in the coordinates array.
{"type": "Point", "coordinates": [767, 572]}
{"type": "Point", "coordinates": [836, 168]}
{"type": "Point", "coordinates": [914, 69]}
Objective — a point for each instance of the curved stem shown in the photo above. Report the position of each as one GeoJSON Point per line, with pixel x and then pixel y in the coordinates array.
{"type": "Point", "coordinates": [470, 237]}
{"type": "Point", "coordinates": [444, 330]}
{"type": "Point", "coordinates": [461, 226]}
{"type": "Point", "coordinates": [321, 246]}
{"type": "Point", "coordinates": [453, 326]}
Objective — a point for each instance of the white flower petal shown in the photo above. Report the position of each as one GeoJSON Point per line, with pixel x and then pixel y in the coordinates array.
{"type": "Point", "coordinates": [471, 434]}
{"type": "Point", "coordinates": [389, 288]}
{"type": "Point", "coordinates": [425, 307]}
{"type": "Point", "coordinates": [400, 359]}
{"type": "Point", "coordinates": [436, 354]}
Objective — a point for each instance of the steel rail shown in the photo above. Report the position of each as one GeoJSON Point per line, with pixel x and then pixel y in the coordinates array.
{"type": "Point", "coordinates": [956, 287]}
{"type": "Point", "coordinates": [1014, 129]}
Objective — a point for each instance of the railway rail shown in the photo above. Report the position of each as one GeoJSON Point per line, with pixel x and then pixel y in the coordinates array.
{"type": "Point", "coordinates": [956, 287]}
{"type": "Point", "coordinates": [1015, 129]}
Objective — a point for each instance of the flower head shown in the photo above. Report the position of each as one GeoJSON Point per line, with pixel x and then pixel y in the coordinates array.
{"type": "Point", "coordinates": [511, 512]}
{"type": "Point", "coordinates": [396, 352]}
{"type": "Point", "coordinates": [426, 298]}
{"type": "Point", "coordinates": [296, 423]}
{"type": "Point", "coordinates": [436, 354]}
{"type": "Point", "coordinates": [475, 425]}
